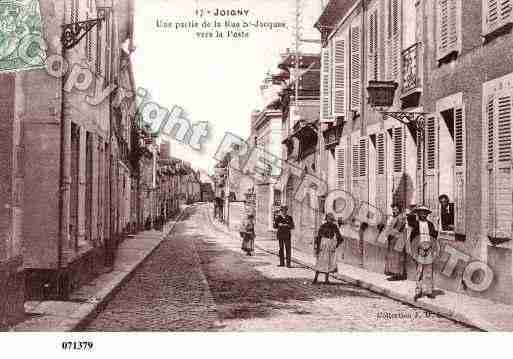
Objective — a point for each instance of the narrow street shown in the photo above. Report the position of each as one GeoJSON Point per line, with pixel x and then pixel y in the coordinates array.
{"type": "Point", "coordinates": [198, 280]}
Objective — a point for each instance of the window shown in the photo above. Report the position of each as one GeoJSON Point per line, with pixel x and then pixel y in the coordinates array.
{"type": "Point", "coordinates": [373, 60]}
{"type": "Point", "coordinates": [381, 187]}
{"type": "Point", "coordinates": [340, 158]}
{"type": "Point", "coordinates": [340, 76]}
{"type": "Point", "coordinates": [448, 28]}
{"type": "Point", "coordinates": [326, 83]}
{"type": "Point", "coordinates": [394, 39]}
{"type": "Point", "coordinates": [360, 160]}
{"type": "Point", "coordinates": [499, 189]}
{"type": "Point", "coordinates": [446, 174]}
{"type": "Point", "coordinates": [355, 68]}
{"type": "Point", "coordinates": [496, 15]}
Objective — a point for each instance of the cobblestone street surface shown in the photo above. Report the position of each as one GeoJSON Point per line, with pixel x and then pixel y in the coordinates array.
{"type": "Point", "coordinates": [199, 280]}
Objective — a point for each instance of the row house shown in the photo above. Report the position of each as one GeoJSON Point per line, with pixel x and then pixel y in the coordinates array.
{"type": "Point", "coordinates": [143, 159]}
{"type": "Point", "coordinates": [67, 185]}
{"type": "Point", "coordinates": [372, 156]}
{"type": "Point", "coordinates": [266, 126]}
{"type": "Point", "coordinates": [468, 67]}
{"type": "Point", "coordinates": [169, 173]}
{"type": "Point", "coordinates": [303, 143]}
{"type": "Point", "coordinates": [454, 78]}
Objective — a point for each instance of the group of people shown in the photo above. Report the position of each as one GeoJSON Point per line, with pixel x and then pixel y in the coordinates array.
{"type": "Point", "coordinates": [422, 238]}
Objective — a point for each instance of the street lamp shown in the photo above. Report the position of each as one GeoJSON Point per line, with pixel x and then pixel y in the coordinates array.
{"type": "Point", "coordinates": [381, 96]}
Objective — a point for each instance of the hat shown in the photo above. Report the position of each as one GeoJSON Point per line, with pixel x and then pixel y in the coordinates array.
{"type": "Point", "coordinates": [422, 209]}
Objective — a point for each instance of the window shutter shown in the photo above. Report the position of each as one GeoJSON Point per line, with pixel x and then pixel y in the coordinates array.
{"type": "Point", "coordinates": [432, 167]}
{"type": "Point", "coordinates": [373, 46]}
{"type": "Point", "coordinates": [502, 186]}
{"type": "Point", "coordinates": [492, 15]}
{"type": "Point", "coordinates": [364, 165]}
{"type": "Point", "coordinates": [394, 41]}
{"type": "Point", "coordinates": [326, 98]}
{"type": "Point", "coordinates": [355, 166]}
{"type": "Point", "coordinates": [498, 13]}
{"type": "Point", "coordinates": [381, 172]}
{"type": "Point", "coordinates": [459, 171]}
{"type": "Point", "coordinates": [108, 45]}
{"type": "Point", "coordinates": [355, 68]}
{"type": "Point", "coordinates": [341, 167]}
{"type": "Point", "coordinates": [505, 10]}
{"type": "Point", "coordinates": [398, 150]}
{"type": "Point", "coordinates": [340, 77]}
{"type": "Point", "coordinates": [399, 184]}
{"type": "Point", "coordinates": [447, 27]}
{"type": "Point", "coordinates": [490, 145]}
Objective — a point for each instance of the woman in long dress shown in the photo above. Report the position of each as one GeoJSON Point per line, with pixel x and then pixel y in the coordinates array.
{"type": "Point", "coordinates": [248, 234]}
{"type": "Point", "coordinates": [326, 243]}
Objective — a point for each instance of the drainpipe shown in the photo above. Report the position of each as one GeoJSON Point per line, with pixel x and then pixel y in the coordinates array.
{"type": "Point", "coordinates": [65, 182]}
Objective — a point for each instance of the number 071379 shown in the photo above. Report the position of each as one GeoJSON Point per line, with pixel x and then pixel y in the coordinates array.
{"type": "Point", "coordinates": [69, 345]}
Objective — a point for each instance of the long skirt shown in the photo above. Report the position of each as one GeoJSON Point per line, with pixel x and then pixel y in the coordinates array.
{"type": "Point", "coordinates": [248, 242]}
{"type": "Point", "coordinates": [395, 260]}
{"type": "Point", "coordinates": [326, 261]}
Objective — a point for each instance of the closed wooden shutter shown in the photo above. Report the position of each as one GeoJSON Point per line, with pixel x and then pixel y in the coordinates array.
{"type": "Point", "coordinates": [499, 114]}
{"type": "Point", "coordinates": [420, 168]}
{"type": "Point", "coordinates": [490, 145]}
{"type": "Point", "coordinates": [325, 89]}
{"type": "Point", "coordinates": [340, 158]}
{"type": "Point", "coordinates": [505, 9]}
{"type": "Point", "coordinates": [108, 45]}
{"type": "Point", "coordinates": [432, 165]}
{"type": "Point", "coordinates": [447, 24]}
{"type": "Point", "coordinates": [373, 46]}
{"type": "Point", "coordinates": [498, 13]}
{"type": "Point", "coordinates": [394, 40]}
{"type": "Point", "coordinates": [459, 170]}
{"type": "Point", "coordinates": [355, 68]}
{"type": "Point", "coordinates": [364, 166]}
{"type": "Point", "coordinates": [340, 77]}
{"type": "Point", "coordinates": [355, 169]}
{"type": "Point", "coordinates": [399, 160]}
{"type": "Point", "coordinates": [381, 172]}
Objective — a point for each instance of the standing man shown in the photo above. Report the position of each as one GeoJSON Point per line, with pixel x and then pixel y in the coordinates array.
{"type": "Point", "coordinates": [284, 224]}
{"type": "Point", "coordinates": [424, 248]}
{"type": "Point", "coordinates": [446, 213]}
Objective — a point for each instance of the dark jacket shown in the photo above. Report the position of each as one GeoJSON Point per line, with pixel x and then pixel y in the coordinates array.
{"type": "Point", "coordinates": [284, 225]}
{"type": "Point", "coordinates": [415, 232]}
{"type": "Point", "coordinates": [447, 216]}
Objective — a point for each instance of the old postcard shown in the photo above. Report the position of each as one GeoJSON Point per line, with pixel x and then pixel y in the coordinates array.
{"type": "Point", "coordinates": [255, 166]}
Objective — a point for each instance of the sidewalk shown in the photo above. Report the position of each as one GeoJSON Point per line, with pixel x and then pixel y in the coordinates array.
{"type": "Point", "coordinates": [88, 300]}
{"type": "Point", "coordinates": [480, 313]}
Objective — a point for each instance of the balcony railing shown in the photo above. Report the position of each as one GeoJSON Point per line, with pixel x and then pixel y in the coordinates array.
{"type": "Point", "coordinates": [411, 68]}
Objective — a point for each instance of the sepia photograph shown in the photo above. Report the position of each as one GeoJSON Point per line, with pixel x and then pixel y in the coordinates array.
{"type": "Point", "coordinates": [189, 167]}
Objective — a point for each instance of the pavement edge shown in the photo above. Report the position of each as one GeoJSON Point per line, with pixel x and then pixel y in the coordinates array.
{"type": "Point", "coordinates": [85, 314]}
{"type": "Point", "coordinates": [431, 307]}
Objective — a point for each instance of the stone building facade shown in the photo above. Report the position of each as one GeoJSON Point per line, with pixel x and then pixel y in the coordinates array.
{"type": "Point", "coordinates": [457, 74]}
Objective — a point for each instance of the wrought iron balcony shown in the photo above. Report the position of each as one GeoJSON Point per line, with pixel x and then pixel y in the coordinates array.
{"type": "Point", "coordinates": [411, 68]}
